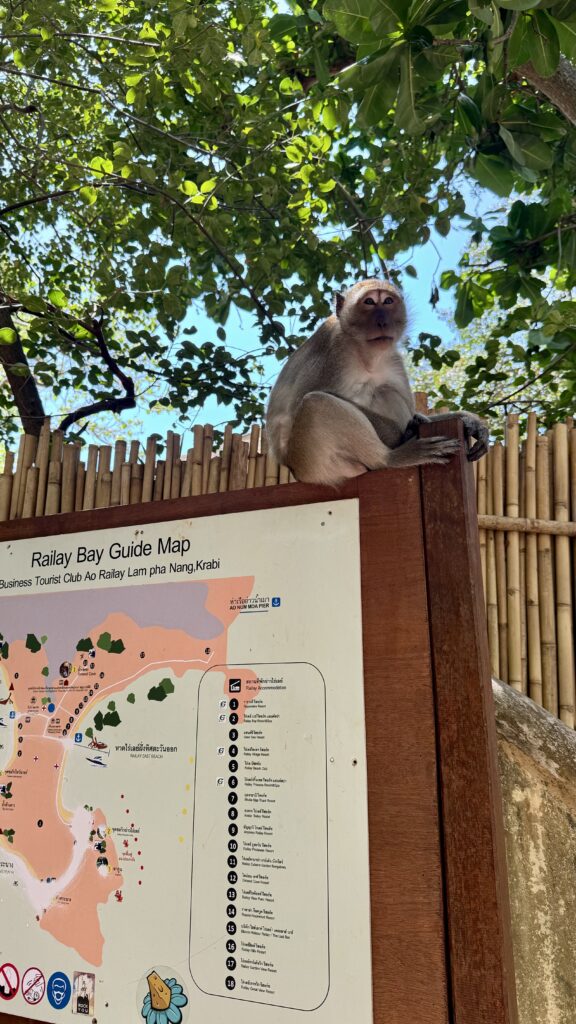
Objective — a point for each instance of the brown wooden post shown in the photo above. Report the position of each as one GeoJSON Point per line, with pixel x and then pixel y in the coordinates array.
{"type": "Point", "coordinates": [481, 963]}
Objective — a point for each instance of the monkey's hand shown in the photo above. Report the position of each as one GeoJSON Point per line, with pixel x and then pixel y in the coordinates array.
{"type": "Point", "coordinates": [413, 428]}
{"type": "Point", "coordinates": [474, 428]}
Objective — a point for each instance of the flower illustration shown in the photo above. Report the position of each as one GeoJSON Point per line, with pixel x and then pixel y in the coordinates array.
{"type": "Point", "coordinates": [162, 1003]}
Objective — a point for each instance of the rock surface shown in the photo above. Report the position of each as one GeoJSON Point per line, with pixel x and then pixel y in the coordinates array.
{"type": "Point", "coordinates": [537, 755]}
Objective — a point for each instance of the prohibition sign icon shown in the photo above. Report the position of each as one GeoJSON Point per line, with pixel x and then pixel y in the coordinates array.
{"type": "Point", "coordinates": [9, 980]}
{"type": "Point", "coordinates": [33, 985]}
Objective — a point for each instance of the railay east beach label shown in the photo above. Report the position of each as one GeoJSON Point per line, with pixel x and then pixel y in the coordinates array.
{"type": "Point", "coordinates": [183, 822]}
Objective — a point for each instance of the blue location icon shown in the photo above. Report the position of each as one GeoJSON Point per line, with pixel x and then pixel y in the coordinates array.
{"type": "Point", "coordinates": [58, 990]}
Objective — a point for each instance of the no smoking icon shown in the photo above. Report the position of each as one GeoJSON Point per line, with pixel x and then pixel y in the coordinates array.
{"type": "Point", "coordinates": [33, 985]}
{"type": "Point", "coordinates": [9, 979]}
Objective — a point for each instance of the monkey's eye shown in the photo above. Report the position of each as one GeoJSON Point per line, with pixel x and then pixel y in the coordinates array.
{"type": "Point", "coordinates": [369, 302]}
{"type": "Point", "coordinates": [388, 301]}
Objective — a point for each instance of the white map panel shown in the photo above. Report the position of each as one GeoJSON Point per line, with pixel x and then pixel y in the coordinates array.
{"type": "Point", "coordinates": [183, 820]}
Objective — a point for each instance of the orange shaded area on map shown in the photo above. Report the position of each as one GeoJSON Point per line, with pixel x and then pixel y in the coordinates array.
{"type": "Point", "coordinates": [47, 850]}
{"type": "Point", "coordinates": [72, 918]}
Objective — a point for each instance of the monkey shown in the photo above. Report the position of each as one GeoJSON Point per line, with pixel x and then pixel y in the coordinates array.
{"type": "Point", "coordinates": [342, 403]}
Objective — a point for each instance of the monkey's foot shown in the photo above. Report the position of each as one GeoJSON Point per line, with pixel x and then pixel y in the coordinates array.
{"type": "Point", "coordinates": [419, 451]}
{"type": "Point", "coordinates": [439, 449]}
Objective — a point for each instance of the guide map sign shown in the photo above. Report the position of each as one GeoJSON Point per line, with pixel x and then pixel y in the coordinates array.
{"type": "Point", "coordinates": [183, 820]}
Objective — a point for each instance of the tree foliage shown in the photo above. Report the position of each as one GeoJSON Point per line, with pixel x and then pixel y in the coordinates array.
{"type": "Point", "coordinates": [158, 156]}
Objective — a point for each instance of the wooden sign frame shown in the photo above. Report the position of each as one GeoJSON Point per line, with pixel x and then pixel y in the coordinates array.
{"type": "Point", "coordinates": [441, 947]}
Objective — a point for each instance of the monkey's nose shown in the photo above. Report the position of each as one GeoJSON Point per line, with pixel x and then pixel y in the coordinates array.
{"type": "Point", "coordinates": [381, 320]}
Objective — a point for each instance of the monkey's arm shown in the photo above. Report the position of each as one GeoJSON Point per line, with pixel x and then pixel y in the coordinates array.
{"type": "Point", "coordinates": [474, 427]}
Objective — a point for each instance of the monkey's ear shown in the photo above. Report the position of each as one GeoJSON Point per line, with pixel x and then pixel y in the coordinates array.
{"type": "Point", "coordinates": [339, 302]}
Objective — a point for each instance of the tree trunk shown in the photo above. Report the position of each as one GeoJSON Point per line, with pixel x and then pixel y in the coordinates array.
{"type": "Point", "coordinates": [559, 88]}
{"type": "Point", "coordinates": [24, 390]}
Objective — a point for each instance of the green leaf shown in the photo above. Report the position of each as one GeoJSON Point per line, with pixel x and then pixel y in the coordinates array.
{"type": "Point", "coordinates": [283, 25]}
{"type": "Point", "coordinates": [468, 114]}
{"type": "Point", "coordinates": [518, 47]}
{"type": "Point", "coordinates": [352, 19]}
{"type": "Point", "coordinates": [57, 298]}
{"type": "Point", "coordinates": [388, 15]}
{"type": "Point", "coordinates": [493, 173]}
{"type": "Point", "coordinates": [519, 118]}
{"type": "Point", "coordinates": [89, 194]}
{"type": "Point", "coordinates": [531, 151]}
{"type": "Point", "coordinates": [566, 31]}
{"type": "Point", "coordinates": [518, 5]}
{"type": "Point", "coordinates": [8, 336]}
{"type": "Point", "coordinates": [543, 45]}
{"type": "Point", "coordinates": [406, 107]}
{"type": "Point", "coordinates": [321, 68]}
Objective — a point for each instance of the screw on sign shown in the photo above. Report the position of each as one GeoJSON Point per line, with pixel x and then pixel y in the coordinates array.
{"type": "Point", "coordinates": [9, 981]}
{"type": "Point", "coordinates": [33, 985]}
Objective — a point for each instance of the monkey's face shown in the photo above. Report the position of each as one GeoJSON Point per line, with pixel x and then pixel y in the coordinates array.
{"type": "Point", "coordinates": [374, 312]}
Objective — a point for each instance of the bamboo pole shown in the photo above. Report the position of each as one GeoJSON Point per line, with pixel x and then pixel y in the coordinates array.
{"type": "Point", "coordinates": [532, 600]}
{"type": "Point", "coordinates": [159, 481]}
{"type": "Point", "coordinates": [42, 459]}
{"type": "Point", "coordinates": [225, 458]}
{"type": "Point", "coordinates": [53, 488]}
{"type": "Point", "coordinates": [238, 463]}
{"type": "Point", "coordinates": [550, 527]}
{"type": "Point", "coordinates": [30, 492]}
{"type": "Point", "coordinates": [149, 466]}
{"type": "Point", "coordinates": [197, 457]}
{"type": "Point", "coordinates": [252, 455]}
{"type": "Point", "coordinates": [17, 478]}
{"type": "Point", "coordinates": [272, 470]}
{"type": "Point", "coordinates": [136, 483]}
{"type": "Point", "coordinates": [214, 475]}
{"type": "Point", "coordinates": [260, 471]}
{"type": "Point", "coordinates": [500, 548]}
{"type": "Point", "coordinates": [572, 450]}
{"type": "Point", "coordinates": [176, 479]}
{"type": "Point", "coordinates": [80, 480]}
{"type": "Point", "coordinates": [125, 477]}
{"type": "Point", "coordinates": [102, 490]}
{"type": "Point", "coordinates": [119, 460]}
{"type": "Point", "coordinates": [564, 624]}
{"type": "Point", "coordinates": [206, 455]}
{"type": "Point", "coordinates": [491, 590]}
{"type": "Point", "coordinates": [28, 455]}
{"type": "Point", "coordinates": [522, 546]}
{"type": "Point", "coordinates": [186, 482]}
{"type": "Point", "coordinates": [5, 495]}
{"type": "Point", "coordinates": [69, 462]}
{"type": "Point", "coordinates": [481, 484]}
{"type": "Point", "coordinates": [546, 582]}
{"type": "Point", "coordinates": [168, 460]}
{"type": "Point", "coordinates": [512, 453]}
{"type": "Point", "coordinates": [90, 481]}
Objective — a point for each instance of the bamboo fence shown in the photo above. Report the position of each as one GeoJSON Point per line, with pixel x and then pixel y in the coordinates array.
{"type": "Point", "coordinates": [526, 499]}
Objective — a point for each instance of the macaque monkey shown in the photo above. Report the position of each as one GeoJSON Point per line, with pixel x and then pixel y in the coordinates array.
{"type": "Point", "coordinates": [342, 403]}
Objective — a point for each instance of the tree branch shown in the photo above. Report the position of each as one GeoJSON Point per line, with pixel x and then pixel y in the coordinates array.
{"type": "Point", "coordinates": [112, 404]}
{"type": "Point", "coordinates": [24, 389]}
{"type": "Point", "coordinates": [364, 225]}
{"type": "Point", "coordinates": [559, 88]}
